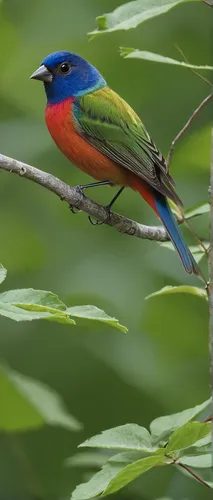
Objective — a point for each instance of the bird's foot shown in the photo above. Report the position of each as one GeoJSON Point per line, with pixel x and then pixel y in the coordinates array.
{"type": "Point", "coordinates": [73, 208]}
{"type": "Point", "coordinates": [96, 222]}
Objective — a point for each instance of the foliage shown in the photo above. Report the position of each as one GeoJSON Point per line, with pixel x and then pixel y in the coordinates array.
{"type": "Point", "coordinates": [173, 439]}
{"type": "Point", "coordinates": [48, 372]}
{"type": "Point", "coordinates": [133, 13]}
{"type": "Point", "coordinates": [28, 404]}
{"type": "Point", "coordinates": [28, 304]}
{"type": "Point", "coordinates": [150, 56]}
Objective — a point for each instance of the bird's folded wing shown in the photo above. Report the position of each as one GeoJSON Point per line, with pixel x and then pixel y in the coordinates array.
{"type": "Point", "coordinates": [108, 123]}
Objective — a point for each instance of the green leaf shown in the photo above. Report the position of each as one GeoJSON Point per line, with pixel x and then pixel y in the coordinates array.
{"type": "Point", "coordinates": [187, 435]}
{"type": "Point", "coordinates": [132, 14]}
{"type": "Point", "coordinates": [108, 480]}
{"type": "Point", "coordinates": [132, 471]}
{"type": "Point", "coordinates": [125, 437]}
{"type": "Point", "coordinates": [197, 210]}
{"type": "Point", "coordinates": [204, 442]}
{"type": "Point", "coordinates": [29, 299]}
{"type": "Point", "coordinates": [150, 56]}
{"type": "Point", "coordinates": [93, 313]}
{"type": "Point", "coordinates": [171, 422]}
{"type": "Point", "coordinates": [196, 250]}
{"type": "Point", "coordinates": [28, 304]}
{"type": "Point", "coordinates": [199, 461]}
{"type": "Point", "coordinates": [87, 459]}
{"type": "Point", "coordinates": [193, 290]}
{"type": "Point", "coordinates": [97, 483]}
{"type": "Point", "coordinates": [29, 404]}
{"type": "Point", "coordinates": [3, 273]}
{"type": "Point", "coordinates": [19, 314]}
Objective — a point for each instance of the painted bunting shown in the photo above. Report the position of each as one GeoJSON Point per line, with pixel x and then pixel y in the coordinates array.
{"type": "Point", "coordinates": [102, 135]}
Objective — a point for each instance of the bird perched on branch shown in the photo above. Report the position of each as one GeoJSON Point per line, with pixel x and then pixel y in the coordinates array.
{"type": "Point", "coordinates": [102, 135]}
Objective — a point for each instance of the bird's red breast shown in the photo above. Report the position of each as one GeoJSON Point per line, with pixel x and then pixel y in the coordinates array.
{"type": "Point", "coordinates": [61, 125]}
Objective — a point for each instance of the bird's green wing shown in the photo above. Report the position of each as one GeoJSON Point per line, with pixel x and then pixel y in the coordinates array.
{"type": "Point", "coordinates": [109, 124]}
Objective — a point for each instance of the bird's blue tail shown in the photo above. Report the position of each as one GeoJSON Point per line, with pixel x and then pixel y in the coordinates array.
{"type": "Point", "coordinates": [170, 223]}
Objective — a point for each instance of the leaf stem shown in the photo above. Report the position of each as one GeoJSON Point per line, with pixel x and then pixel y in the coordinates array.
{"type": "Point", "coordinates": [208, 419]}
{"type": "Point", "coordinates": [207, 3]}
{"type": "Point", "coordinates": [175, 461]}
{"type": "Point", "coordinates": [191, 69]}
{"type": "Point", "coordinates": [190, 471]}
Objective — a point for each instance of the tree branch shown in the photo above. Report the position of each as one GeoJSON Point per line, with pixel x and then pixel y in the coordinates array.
{"type": "Point", "coordinates": [72, 196]}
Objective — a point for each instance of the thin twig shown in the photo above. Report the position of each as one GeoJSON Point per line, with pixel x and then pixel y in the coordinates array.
{"type": "Point", "coordinates": [208, 419]}
{"type": "Point", "coordinates": [207, 3]}
{"type": "Point", "coordinates": [205, 250]}
{"type": "Point", "coordinates": [192, 69]}
{"type": "Point", "coordinates": [190, 471]}
{"type": "Point", "coordinates": [31, 481]}
{"type": "Point", "coordinates": [72, 196]}
{"type": "Point", "coordinates": [176, 461]}
{"type": "Point", "coordinates": [185, 128]}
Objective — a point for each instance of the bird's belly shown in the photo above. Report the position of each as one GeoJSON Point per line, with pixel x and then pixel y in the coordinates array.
{"type": "Point", "coordinates": [60, 123]}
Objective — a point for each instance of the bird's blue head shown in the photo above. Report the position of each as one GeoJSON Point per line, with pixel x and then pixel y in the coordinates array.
{"type": "Point", "coordinates": [66, 74]}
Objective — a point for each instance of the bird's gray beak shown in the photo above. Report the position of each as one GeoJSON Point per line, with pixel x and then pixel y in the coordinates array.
{"type": "Point", "coordinates": [43, 74]}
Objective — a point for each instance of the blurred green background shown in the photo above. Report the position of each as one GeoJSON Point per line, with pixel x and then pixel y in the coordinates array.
{"type": "Point", "coordinates": [106, 378]}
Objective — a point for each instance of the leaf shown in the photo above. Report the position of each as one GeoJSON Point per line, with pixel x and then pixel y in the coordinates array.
{"type": "Point", "coordinates": [29, 404]}
{"type": "Point", "coordinates": [17, 314]}
{"type": "Point", "coordinates": [92, 312]}
{"type": "Point", "coordinates": [86, 459]}
{"type": "Point", "coordinates": [124, 437]}
{"type": "Point", "coordinates": [97, 483]}
{"type": "Point", "coordinates": [203, 442]}
{"type": "Point", "coordinates": [3, 273]}
{"type": "Point", "coordinates": [171, 422]}
{"type": "Point", "coordinates": [28, 304]}
{"type": "Point", "coordinates": [132, 471]}
{"type": "Point", "coordinates": [29, 298]}
{"type": "Point", "coordinates": [129, 53]}
{"type": "Point", "coordinates": [193, 290]}
{"type": "Point", "coordinates": [199, 461]}
{"type": "Point", "coordinates": [132, 14]}
{"type": "Point", "coordinates": [199, 209]}
{"type": "Point", "coordinates": [196, 250]}
{"type": "Point", "coordinates": [187, 435]}
{"type": "Point", "coordinates": [103, 481]}
{"type": "Point", "coordinates": [21, 313]}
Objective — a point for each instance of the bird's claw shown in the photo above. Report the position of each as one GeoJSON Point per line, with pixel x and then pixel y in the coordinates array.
{"type": "Point", "coordinates": [73, 209]}
{"type": "Point", "coordinates": [80, 191]}
{"type": "Point", "coordinates": [96, 222]}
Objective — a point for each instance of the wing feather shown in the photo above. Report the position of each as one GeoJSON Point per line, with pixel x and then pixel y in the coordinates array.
{"type": "Point", "coordinates": [111, 126]}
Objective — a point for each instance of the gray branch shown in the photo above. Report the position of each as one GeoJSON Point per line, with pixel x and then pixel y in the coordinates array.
{"type": "Point", "coordinates": [73, 197]}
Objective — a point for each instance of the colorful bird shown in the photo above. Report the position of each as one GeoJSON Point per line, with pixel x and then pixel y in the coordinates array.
{"type": "Point", "coordinates": [102, 135]}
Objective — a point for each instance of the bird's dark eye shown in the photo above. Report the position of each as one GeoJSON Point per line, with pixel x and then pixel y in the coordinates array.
{"type": "Point", "coordinates": [65, 68]}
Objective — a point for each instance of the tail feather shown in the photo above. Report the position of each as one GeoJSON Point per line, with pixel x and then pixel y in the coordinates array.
{"type": "Point", "coordinates": [170, 223]}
